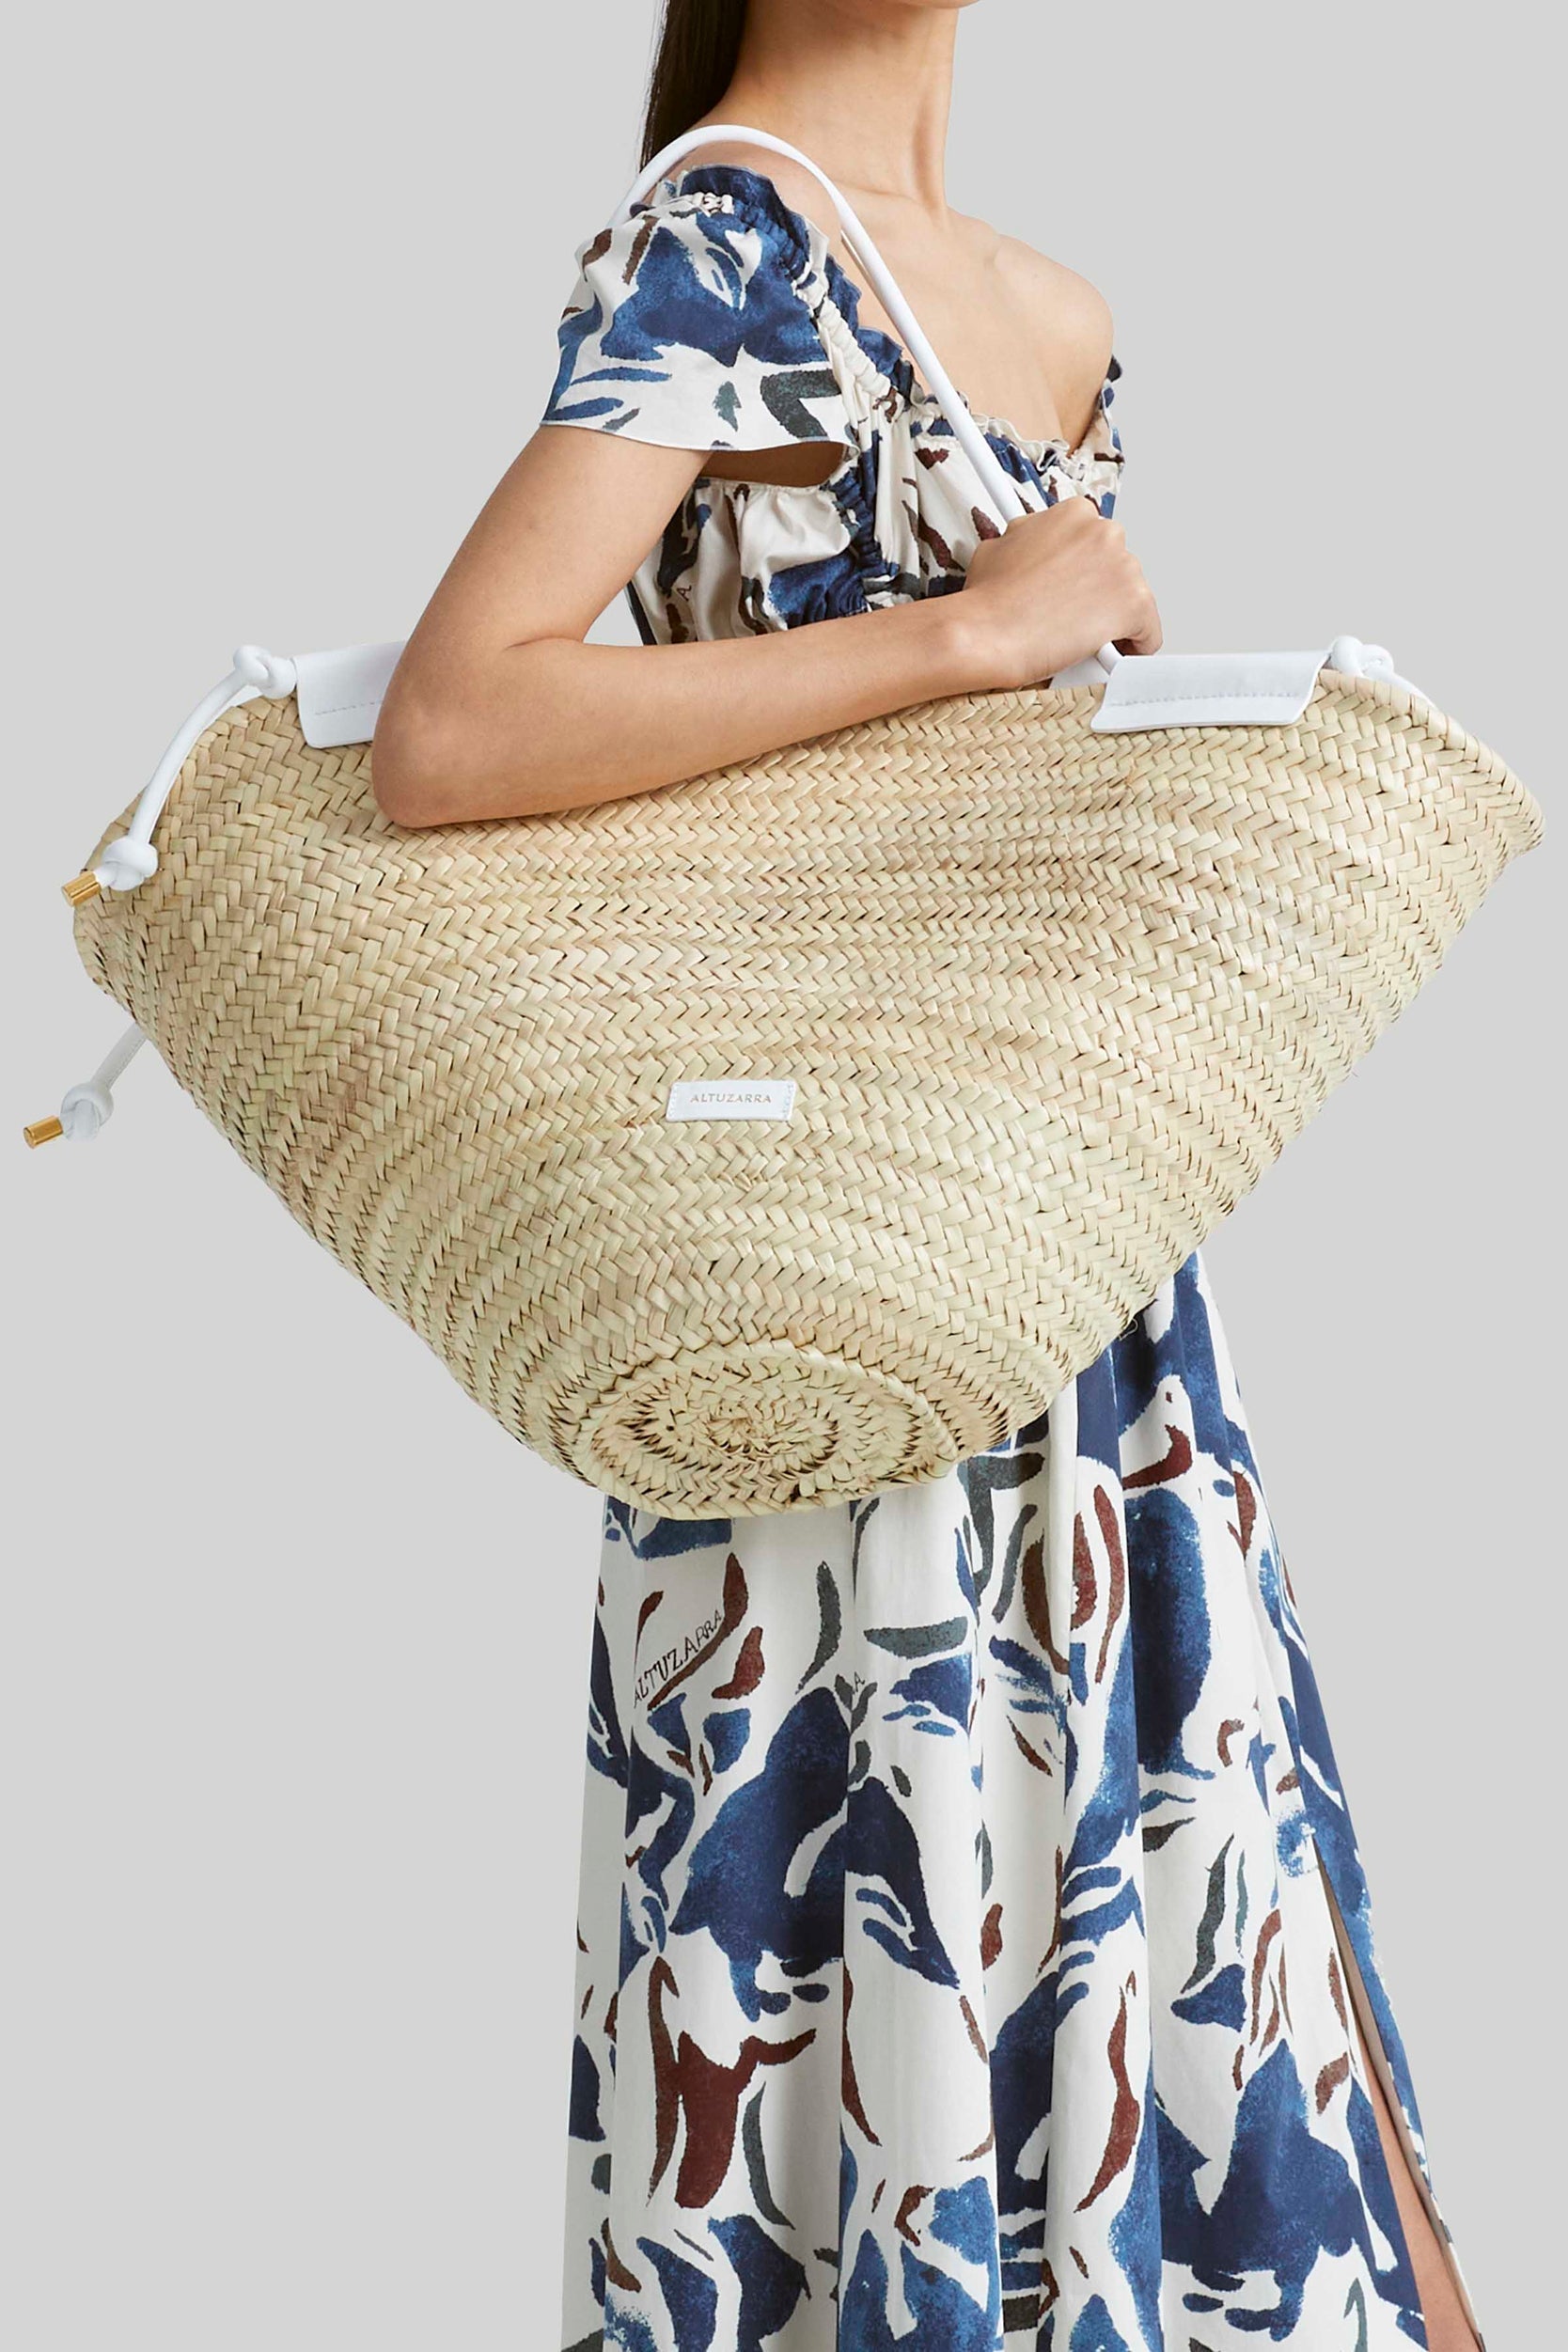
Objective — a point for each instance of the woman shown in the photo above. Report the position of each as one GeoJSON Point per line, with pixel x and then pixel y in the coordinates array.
{"type": "Point", "coordinates": [973, 1948]}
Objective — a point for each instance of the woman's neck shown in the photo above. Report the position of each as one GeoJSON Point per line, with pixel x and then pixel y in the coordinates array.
{"type": "Point", "coordinates": [863, 86]}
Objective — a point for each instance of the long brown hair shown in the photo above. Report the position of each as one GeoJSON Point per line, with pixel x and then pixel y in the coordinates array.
{"type": "Point", "coordinates": [699, 42]}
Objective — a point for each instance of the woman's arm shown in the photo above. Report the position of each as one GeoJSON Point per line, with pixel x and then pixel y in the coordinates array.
{"type": "Point", "coordinates": [497, 708]}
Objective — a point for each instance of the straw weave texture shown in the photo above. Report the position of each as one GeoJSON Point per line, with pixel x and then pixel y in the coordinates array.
{"type": "Point", "coordinates": [1054, 1002]}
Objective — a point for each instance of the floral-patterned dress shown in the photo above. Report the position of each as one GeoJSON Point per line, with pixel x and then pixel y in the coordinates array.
{"type": "Point", "coordinates": [957, 1968]}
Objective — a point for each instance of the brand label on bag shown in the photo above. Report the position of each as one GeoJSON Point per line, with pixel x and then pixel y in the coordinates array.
{"type": "Point", "coordinates": [731, 1098]}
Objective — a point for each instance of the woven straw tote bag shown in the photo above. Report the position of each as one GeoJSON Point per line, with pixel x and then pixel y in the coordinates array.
{"type": "Point", "coordinates": [798, 1131]}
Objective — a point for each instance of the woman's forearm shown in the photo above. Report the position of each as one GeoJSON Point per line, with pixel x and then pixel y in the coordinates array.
{"type": "Point", "coordinates": [557, 723]}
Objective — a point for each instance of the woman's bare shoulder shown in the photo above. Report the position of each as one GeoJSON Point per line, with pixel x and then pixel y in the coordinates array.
{"type": "Point", "coordinates": [1064, 308]}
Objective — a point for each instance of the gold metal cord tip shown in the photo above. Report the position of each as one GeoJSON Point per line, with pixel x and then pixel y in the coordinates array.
{"type": "Point", "coordinates": [80, 888]}
{"type": "Point", "coordinates": [42, 1131]}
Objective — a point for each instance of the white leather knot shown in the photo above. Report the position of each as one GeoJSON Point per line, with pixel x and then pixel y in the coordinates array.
{"type": "Point", "coordinates": [84, 1111]}
{"type": "Point", "coordinates": [1358, 659]}
{"type": "Point", "coordinates": [84, 1108]}
{"type": "Point", "coordinates": [126, 862]}
{"type": "Point", "coordinates": [1355, 660]}
{"type": "Point", "coordinates": [270, 674]}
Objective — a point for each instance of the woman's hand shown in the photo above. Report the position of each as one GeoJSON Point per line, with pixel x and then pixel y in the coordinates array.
{"type": "Point", "coordinates": [1052, 589]}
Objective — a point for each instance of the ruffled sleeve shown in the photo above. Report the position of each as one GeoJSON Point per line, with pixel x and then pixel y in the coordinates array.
{"type": "Point", "coordinates": [688, 327]}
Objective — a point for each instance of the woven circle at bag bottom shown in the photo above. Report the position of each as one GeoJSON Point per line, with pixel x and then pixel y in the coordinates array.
{"type": "Point", "coordinates": [1051, 1002]}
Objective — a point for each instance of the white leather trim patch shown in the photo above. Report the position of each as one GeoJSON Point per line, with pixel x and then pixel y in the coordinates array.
{"type": "Point", "coordinates": [339, 693]}
{"type": "Point", "coordinates": [1206, 690]}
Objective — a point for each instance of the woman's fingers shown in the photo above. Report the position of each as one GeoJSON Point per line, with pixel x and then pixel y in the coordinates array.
{"type": "Point", "coordinates": [1146, 639]}
{"type": "Point", "coordinates": [1055, 584]}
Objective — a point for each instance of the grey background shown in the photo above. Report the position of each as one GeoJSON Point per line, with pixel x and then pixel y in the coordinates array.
{"type": "Point", "coordinates": [296, 1640]}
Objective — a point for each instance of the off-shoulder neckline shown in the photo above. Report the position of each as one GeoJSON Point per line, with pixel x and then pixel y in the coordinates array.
{"type": "Point", "coordinates": [753, 193]}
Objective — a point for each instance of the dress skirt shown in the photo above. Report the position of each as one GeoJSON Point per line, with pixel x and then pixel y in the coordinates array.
{"type": "Point", "coordinates": [958, 1966]}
